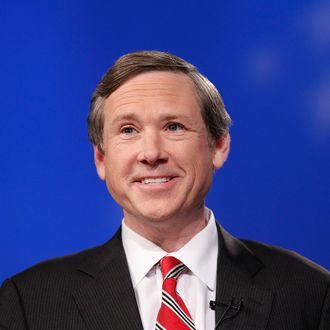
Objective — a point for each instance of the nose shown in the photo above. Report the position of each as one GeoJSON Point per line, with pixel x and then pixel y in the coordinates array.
{"type": "Point", "coordinates": [152, 149]}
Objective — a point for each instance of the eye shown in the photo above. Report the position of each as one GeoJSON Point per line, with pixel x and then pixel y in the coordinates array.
{"type": "Point", "coordinates": [174, 127]}
{"type": "Point", "coordinates": [127, 130]}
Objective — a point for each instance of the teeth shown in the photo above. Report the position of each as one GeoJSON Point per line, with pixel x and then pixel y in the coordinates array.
{"type": "Point", "coordinates": [155, 180]}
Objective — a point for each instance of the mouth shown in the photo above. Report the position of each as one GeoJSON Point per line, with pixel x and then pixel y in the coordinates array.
{"type": "Point", "coordinates": [155, 180]}
{"type": "Point", "coordinates": [156, 183]}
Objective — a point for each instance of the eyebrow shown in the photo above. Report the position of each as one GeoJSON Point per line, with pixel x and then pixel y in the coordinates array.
{"type": "Point", "coordinates": [125, 116]}
{"type": "Point", "coordinates": [132, 116]}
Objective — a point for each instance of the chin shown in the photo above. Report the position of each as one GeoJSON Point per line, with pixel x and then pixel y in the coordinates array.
{"type": "Point", "coordinates": [157, 215]}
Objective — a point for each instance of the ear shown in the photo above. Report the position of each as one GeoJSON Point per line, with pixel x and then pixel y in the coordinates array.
{"type": "Point", "coordinates": [221, 151]}
{"type": "Point", "coordinates": [99, 160]}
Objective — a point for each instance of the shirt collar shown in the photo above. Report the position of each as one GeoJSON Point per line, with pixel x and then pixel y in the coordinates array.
{"type": "Point", "coordinates": [199, 254]}
{"type": "Point", "coordinates": [141, 253]}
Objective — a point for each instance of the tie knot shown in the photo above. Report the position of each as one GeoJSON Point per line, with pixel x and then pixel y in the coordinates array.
{"type": "Point", "coordinates": [171, 267]}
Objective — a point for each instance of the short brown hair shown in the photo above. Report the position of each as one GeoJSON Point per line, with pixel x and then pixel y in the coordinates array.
{"type": "Point", "coordinates": [215, 116]}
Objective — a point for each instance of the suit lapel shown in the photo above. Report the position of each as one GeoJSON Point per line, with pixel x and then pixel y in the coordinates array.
{"type": "Point", "coordinates": [107, 301]}
{"type": "Point", "coordinates": [237, 268]}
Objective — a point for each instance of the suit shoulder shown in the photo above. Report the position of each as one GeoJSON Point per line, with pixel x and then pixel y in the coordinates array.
{"type": "Point", "coordinates": [284, 261]}
{"type": "Point", "coordinates": [70, 267]}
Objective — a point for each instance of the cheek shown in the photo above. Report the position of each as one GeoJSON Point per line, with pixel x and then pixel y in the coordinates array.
{"type": "Point", "coordinates": [119, 165]}
{"type": "Point", "coordinates": [194, 155]}
{"type": "Point", "coordinates": [203, 167]}
{"type": "Point", "coordinates": [203, 171]}
{"type": "Point", "coordinates": [117, 152]}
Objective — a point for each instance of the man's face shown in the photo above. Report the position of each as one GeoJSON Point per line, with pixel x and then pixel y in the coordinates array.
{"type": "Point", "coordinates": [157, 162]}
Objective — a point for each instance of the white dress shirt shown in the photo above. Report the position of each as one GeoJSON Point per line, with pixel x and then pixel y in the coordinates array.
{"type": "Point", "coordinates": [196, 285]}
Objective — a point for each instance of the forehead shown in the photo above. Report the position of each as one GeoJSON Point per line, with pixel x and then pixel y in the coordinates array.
{"type": "Point", "coordinates": [154, 87]}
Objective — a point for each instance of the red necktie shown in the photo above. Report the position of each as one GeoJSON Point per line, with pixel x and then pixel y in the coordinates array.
{"type": "Point", "coordinates": [173, 313]}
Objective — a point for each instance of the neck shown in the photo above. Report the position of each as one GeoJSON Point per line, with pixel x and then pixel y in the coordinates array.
{"type": "Point", "coordinates": [170, 234]}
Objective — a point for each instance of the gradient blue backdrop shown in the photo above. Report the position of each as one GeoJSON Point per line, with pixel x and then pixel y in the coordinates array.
{"type": "Point", "coordinates": [269, 59]}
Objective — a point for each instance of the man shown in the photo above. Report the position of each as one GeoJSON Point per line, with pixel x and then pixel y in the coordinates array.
{"type": "Point", "coordinates": [160, 130]}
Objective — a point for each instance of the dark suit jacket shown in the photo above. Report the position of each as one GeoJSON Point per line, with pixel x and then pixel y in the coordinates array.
{"type": "Point", "coordinates": [93, 290]}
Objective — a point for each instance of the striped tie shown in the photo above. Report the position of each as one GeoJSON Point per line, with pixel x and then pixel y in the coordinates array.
{"type": "Point", "coordinates": [173, 313]}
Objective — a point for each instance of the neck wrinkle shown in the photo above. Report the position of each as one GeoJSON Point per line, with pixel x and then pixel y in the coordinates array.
{"type": "Point", "coordinates": [170, 236]}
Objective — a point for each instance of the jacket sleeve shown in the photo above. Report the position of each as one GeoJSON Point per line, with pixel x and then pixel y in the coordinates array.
{"type": "Point", "coordinates": [325, 316]}
{"type": "Point", "coordinates": [11, 310]}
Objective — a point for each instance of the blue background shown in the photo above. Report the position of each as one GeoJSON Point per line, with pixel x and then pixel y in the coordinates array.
{"type": "Point", "coordinates": [269, 59]}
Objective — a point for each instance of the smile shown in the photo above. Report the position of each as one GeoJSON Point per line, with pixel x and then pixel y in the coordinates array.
{"type": "Point", "coordinates": [155, 180]}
